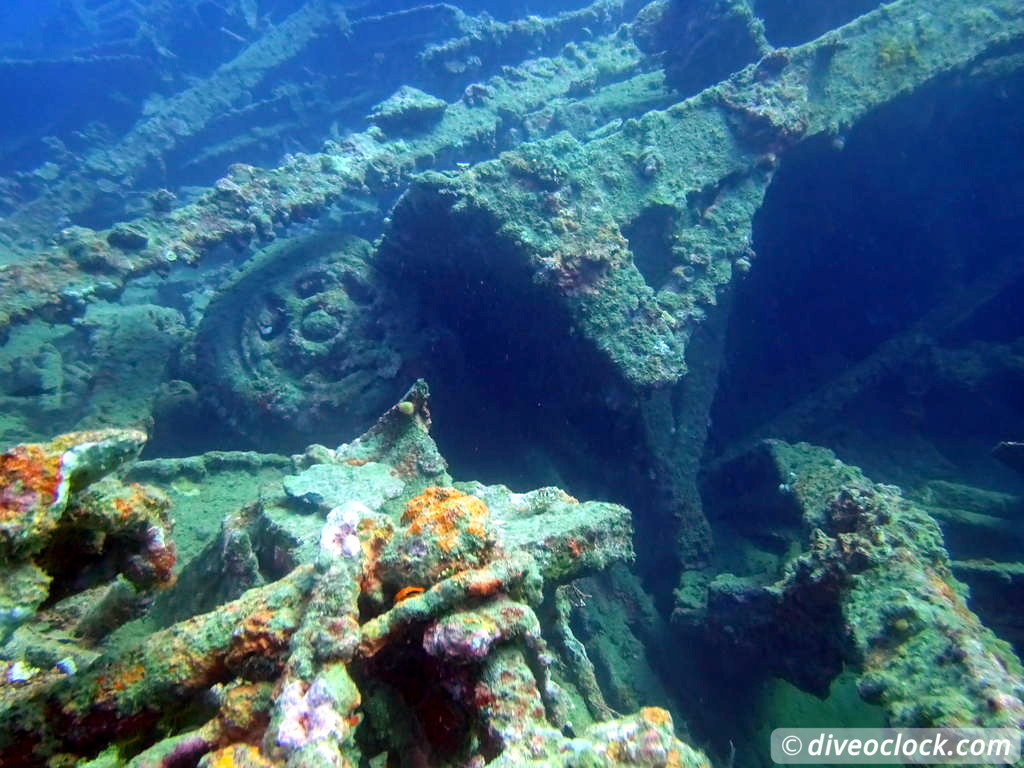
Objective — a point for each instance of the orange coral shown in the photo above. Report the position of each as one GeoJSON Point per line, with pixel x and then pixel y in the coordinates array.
{"type": "Point", "coordinates": [121, 679]}
{"type": "Point", "coordinates": [28, 473]}
{"type": "Point", "coordinates": [237, 756]}
{"type": "Point", "coordinates": [243, 711]}
{"type": "Point", "coordinates": [943, 589]}
{"type": "Point", "coordinates": [257, 636]}
{"type": "Point", "coordinates": [137, 504]}
{"type": "Point", "coordinates": [656, 716]}
{"type": "Point", "coordinates": [440, 511]}
{"type": "Point", "coordinates": [484, 587]}
{"type": "Point", "coordinates": [406, 592]}
{"type": "Point", "coordinates": [614, 751]}
{"type": "Point", "coordinates": [576, 548]}
{"type": "Point", "coordinates": [70, 440]}
{"type": "Point", "coordinates": [162, 561]}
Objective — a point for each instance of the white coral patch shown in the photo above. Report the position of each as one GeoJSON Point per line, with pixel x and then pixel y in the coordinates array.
{"type": "Point", "coordinates": [338, 537]}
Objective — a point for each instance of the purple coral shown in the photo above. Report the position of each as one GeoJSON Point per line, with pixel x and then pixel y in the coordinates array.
{"type": "Point", "coordinates": [460, 639]}
{"type": "Point", "coordinates": [470, 634]}
{"type": "Point", "coordinates": [338, 537]}
{"type": "Point", "coordinates": [308, 716]}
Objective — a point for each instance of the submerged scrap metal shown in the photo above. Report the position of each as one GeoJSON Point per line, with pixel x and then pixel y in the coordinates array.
{"type": "Point", "coordinates": [708, 159]}
{"type": "Point", "coordinates": [250, 203]}
{"type": "Point", "coordinates": [394, 612]}
{"type": "Point", "coordinates": [561, 208]}
{"type": "Point", "coordinates": [413, 605]}
{"type": "Point", "coordinates": [407, 615]}
{"type": "Point", "coordinates": [556, 212]}
{"type": "Point", "coordinates": [253, 106]}
{"type": "Point", "coordinates": [56, 502]}
{"type": "Point", "coordinates": [871, 587]}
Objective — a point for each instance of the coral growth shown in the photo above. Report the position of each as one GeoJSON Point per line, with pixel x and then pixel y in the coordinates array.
{"type": "Point", "coordinates": [873, 590]}
{"type": "Point", "coordinates": [414, 617]}
{"type": "Point", "coordinates": [59, 511]}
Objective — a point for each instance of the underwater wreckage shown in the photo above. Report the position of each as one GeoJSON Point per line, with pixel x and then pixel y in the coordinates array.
{"type": "Point", "coordinates": [356, 603]}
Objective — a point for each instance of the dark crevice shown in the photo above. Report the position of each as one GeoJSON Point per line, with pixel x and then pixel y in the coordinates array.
{"type": "Point", "coordinates": [517, 397]}
{"type": "Point", "coordinates": [859, 239]}
{"type": "Point", "coordinates": [650, 240]}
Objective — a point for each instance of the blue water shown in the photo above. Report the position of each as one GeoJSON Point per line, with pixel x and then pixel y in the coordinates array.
{"type": "Point", "coordinates": [876, 312]}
